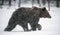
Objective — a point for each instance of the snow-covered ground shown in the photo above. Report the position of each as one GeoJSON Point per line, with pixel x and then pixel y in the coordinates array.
{"type": "Point", "coordinates": [49, 26]}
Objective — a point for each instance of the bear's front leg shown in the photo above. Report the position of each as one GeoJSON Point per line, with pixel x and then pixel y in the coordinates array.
{"type": "Point", "coordinates": [39, 26]}
{"type": "Point", "coordinates": [34, 23]}
{"type": "Point", "coordinates": [33, 26]}
{"type": "Point", "coordinates": [24, 26]}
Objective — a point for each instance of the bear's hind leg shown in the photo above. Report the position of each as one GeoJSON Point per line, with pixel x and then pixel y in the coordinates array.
{"type": "Point", "coordinates": [10, 27]}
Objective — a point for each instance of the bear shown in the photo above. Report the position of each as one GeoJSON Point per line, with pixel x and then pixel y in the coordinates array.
{"type": "Point", "coordinates": [22, 16]}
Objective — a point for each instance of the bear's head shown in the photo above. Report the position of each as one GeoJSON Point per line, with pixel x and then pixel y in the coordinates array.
{"type": "Point", "coordinates": [44, 13]}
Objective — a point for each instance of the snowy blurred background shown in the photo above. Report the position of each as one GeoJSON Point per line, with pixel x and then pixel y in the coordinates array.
{"type": "Point", "coordinates": [49, 26]}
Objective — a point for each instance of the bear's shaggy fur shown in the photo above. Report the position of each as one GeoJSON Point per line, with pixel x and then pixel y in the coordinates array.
{"type": "Point", "coordinates": [23, 15]}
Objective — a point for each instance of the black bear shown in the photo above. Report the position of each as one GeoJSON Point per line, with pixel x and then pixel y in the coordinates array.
{"type": "Point", "coordinates": [23, 15]}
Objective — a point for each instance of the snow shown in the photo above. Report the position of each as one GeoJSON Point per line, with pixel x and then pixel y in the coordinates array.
{"type": "Point", "coordinates": [49, 26]}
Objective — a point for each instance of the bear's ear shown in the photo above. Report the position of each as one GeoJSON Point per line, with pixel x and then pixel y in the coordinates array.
{"type": "Point", "coordinates": [43, 9]}
{"type": "Point", "coordinates": [35, 8]}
